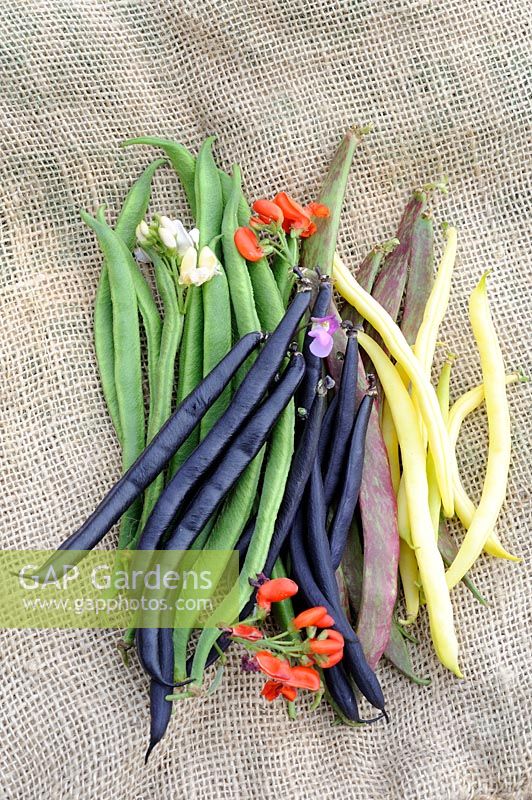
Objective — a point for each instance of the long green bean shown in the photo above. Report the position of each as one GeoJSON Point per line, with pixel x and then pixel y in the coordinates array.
{"type": "Point", "coordinates": [184, 164]}
{"type": "Point", "coordinates": [268, 300]}
{"type": "Point", "coordinates": [164, 381]}
{"type": "Point", "coordinates": [238, 277]}
{"type": "Point", "coordinates": [216, 303]}
{"type": "Point", "coordinates": [216, 340]}
{"type": "Point", "coordinates": [152, 326]}
{"type": "Point", "coordinates": [190, 366]}
{"type": "Point", "coordinates": [105, 351]}
{"type": "Point", "coordinates": [127, 358]}
{"type": "Point", "coordinates": [282, 269]}
{"type": "Point", "coordinates": [180, 158]}
{"type": "Point", "coordinates": [151, 320]}
{"type": "Point", "coordinates": [133, 211]}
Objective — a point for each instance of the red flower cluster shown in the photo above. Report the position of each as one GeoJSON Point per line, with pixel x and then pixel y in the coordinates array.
{"type": "Point", "coordinates": [323, 649]}
{"type": "Point", "coordinates": [297, 218]}
{"type": "Point", "coordinates": [283, 212]}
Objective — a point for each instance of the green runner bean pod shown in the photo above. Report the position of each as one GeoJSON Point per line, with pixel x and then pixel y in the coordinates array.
{"type": "Point", "coordinates": [216, 303]}
{"type": "Point", "coordinates": [190, 366]}
{"type": "Point", "coordinates": [127, 358]}
{"type": "Point", "coordinates": [180, 158]}
{"type": "Point", "coordinates": [133, 211]}
{"type": "Point", "coordinates": [164, 382]}
{"type": "Point", "coordinates": [238, 277]}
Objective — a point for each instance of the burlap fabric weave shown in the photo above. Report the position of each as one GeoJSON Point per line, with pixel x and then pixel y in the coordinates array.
{"type": "Point", "coordinates": [445, 85]}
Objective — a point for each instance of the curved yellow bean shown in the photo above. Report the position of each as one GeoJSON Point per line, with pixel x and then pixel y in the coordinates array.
{"type": "Point", "coordinates": [391, 444]}
{"type": "Point", "coordinates": [469, 402]}
{"type": "Point", "coordinates": [437, 303]}
{"type": "Point", "coordinates": [424, 347]}
{"type": "Point", "coordinates": [499, 442]}
{"type": "Point", "coordinates": [431, 568]}
{"type": "Point", "coordinates": [442, 393]}
{"type": "Point", "coordinates": [464, 506]}
{"type": "Point", "coordinates": [389, 435]}
{"type": "Point", "coordinates": [426, 396]}
{"type": "Point", "coordinates": [403, 520]}
{"type": "Point", "coordinates": [409, 572]}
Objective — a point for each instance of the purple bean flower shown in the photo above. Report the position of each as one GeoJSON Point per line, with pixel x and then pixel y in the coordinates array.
{"type": "Point", "coordinates": [322, 332]}
{"type": "Point", "coordinates": [249, 663]}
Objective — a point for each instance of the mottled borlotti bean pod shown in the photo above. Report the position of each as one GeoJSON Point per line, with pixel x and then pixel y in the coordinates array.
{"type": "Point", "coordinates": [389, 286]}
{"type": "Point", "coordinates": [318, 250]}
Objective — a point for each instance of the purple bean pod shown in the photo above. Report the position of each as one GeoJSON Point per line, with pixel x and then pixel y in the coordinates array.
{"type": "Point", "coordinates": [378, 510]}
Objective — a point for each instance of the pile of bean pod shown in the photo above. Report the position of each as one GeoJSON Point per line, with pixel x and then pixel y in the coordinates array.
{"type": "Point", "coordinates": [338, 470]}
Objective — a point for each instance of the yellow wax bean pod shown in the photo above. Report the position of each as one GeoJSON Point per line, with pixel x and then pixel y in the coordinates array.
{"type": "Point", "coordinates": [398, 346]}
{"type": "Point", "coordinates": [464, 506]}
{"type": "Point", "coordinates": [499, 441]}
{"type": "Point", "coordinates": [437, 303]}
{"type": "Point", "coordinates": [389, 432]}
{"type": "Point", "coordinates": [391, 444]}
{"type": "Point", "coordinates": [442, 393]}
{"type": "Point", "coordinates": [424, 348]}
{"type": "Point", "coordinates": [409, 572]}
{"type": "Point", "coordinates": [403, 520]}
{"type": "Point", "coordinates": [431, 568]}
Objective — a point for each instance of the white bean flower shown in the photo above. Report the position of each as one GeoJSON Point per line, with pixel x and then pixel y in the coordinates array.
{"type": "Point", "coordinates": [197, 268]}
{"type": "Point", "coordinates": [174, 235]}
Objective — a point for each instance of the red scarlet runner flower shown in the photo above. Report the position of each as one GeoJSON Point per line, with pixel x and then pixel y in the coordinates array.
{"type": "Point", "coordinates": [267, 212]}
{"type": "Point", "coordinates": [247, 244]}
{"type": "Point", "coordinates": [331, 661]}
{"type": "Point", "coordinates": [272, 689]}
{"type": "Point", "coordinates": [327, 645]}
{"type": "Point", "coordinates": [274, 591]}
{"type": "Point", "coordinates": [285, 678]}
{"type": "Point", "coordinates": [273, 666]}
{"type": "Point", "coordinates": [312, 617]}
{"type": "Point", "coordinates": [318, 209]}
{"type": "Point", "coordinates": [295, 216]}
{"type": "Point", "coordinates": [304, 678]}
{"type": "Point", "coordinates": [328, 649]}
{"type": "Point", "coordinates": [249, 632]}
{"type": "Point", "coordinates": [298, 218]}
{"type": "Point", "coordinates": [280, 670]}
